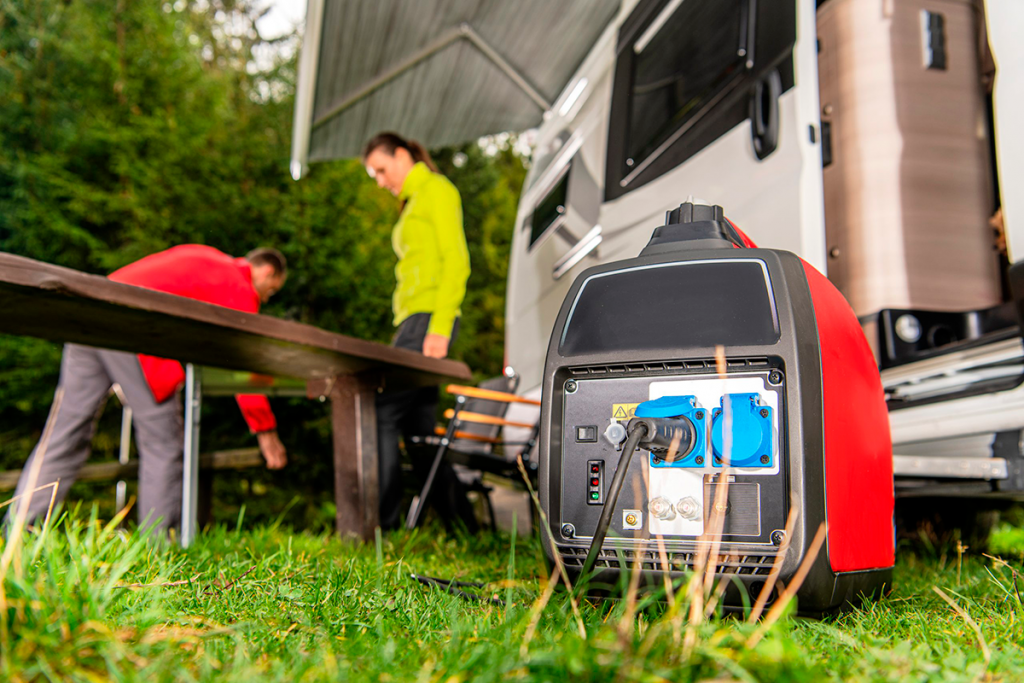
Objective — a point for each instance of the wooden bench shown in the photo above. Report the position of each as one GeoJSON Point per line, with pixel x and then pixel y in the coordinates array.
{"type": "Point", "coordinates": [234, 459]}
{"type": "Point", "coordinates": [42, 300]}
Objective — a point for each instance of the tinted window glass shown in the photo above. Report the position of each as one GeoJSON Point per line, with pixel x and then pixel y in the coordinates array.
{"type": "Point", "coordinates": [549, 209]}
{"type": "Point", "coordinates": [692, 58]}
{"type": "Point", "coordinates": [679, 306]}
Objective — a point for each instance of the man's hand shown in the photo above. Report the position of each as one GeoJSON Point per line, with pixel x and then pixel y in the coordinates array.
{"type": "Point", "coordinates": [272, 449]}
{"type": "Point", "coordinates": [435, 346]}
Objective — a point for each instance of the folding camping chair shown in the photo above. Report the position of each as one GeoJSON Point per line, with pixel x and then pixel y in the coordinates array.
{"type": "Point", "coordinates": [473, 439]}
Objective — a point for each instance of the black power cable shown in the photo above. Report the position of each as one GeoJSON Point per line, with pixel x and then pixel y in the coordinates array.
{"type": "Point", "coordinates": [636, 433]}
{"type": "Point", "coordinates": [453, 587]}
{"type": "Point", "coordinates": [659, 435]}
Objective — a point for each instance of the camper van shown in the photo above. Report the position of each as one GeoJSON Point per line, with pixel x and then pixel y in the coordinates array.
{"type": "Point", "coordinates": [873, 138]}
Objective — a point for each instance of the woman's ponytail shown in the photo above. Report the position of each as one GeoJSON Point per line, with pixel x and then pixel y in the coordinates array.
{"type": "Point", "coordinates": [389, 142]}
{"type": "Point", "coordinates": [419, 153]}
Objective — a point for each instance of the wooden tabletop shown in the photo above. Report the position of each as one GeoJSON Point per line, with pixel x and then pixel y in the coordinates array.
{"type": "Point", "coordinates": [42, 300]}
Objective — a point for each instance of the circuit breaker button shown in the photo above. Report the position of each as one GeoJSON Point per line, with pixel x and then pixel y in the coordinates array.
{"type": "Point", "coordinates": [586, 434]}
{"type": "Point", "coordinates": [615, 433]}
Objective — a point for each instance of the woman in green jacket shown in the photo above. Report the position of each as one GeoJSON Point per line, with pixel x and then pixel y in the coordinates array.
{"type": "Point", "coordinates": [433, 266]}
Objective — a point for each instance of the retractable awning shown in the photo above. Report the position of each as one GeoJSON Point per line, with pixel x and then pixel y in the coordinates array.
{"type": "Point", "coordinates": [439, 71]}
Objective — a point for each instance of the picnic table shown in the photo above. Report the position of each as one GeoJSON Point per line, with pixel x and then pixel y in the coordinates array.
{"type": "Point", "coordinates": [238, 353]}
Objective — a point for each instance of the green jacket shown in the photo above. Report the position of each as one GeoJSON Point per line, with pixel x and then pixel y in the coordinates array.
{"type": "Point", "coordinates": [433, 261]}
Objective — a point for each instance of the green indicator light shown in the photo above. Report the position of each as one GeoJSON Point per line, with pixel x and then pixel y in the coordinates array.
{"type": "Point", "coordinates": [594, 495]}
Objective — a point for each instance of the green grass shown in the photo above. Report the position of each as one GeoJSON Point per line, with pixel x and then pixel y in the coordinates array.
{"type": "Point", "coordinates": [267, 604]}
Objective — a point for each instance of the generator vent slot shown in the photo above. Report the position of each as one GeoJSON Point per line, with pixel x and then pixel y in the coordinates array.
{"type": "Point", "coordinates": [741, 564]}
{"type": "Point", "coordinates": [700, 365]}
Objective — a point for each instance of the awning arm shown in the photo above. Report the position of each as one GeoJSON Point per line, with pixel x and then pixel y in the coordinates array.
{"type": "Point", "coordinates": [513, 74]}
{"type": "Point", "coordinates": [306, 88]}
{"type": "Point", "coordinates": [460, 32]}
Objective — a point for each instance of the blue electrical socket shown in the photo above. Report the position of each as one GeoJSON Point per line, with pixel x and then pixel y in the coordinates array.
{"type": "Point", "coordinates": [680, 406]}
{"type": "Point", "coordinates": [751, 432]}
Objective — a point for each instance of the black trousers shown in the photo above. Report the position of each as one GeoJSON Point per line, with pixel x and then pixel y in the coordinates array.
{"type": "Point", "coordinates": [409, 413]}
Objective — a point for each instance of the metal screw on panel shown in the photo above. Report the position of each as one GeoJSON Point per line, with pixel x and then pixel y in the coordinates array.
{"type": "Point", "coordinates": [699, 415]}
{"type": "Point", "coordinates": [764, 412]}
{"type": "Point", "coordinates": [699, 460]}
{"type": "Point", "coordinates": [568, 530]}
{"type": "Point", "coordinates": [718, 460]}
{"type": "Point", "coordinates": [656, 459]}
{"type": "Point", "coordinates": [765, 459]}
{"type": "Point", "coordinates": [775, 377]}
{"type": "Point", "coordinates": [570, 386]}
{"type": "Point", "coordinates": [778, 536]}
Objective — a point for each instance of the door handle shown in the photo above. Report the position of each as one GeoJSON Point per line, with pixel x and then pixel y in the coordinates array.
{"type": "Point", "coordinates": [764, 114]}
{"type": "Point", "coordinates": [579, 251]}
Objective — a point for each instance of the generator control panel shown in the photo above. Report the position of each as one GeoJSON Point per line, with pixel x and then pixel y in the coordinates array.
{"type": "Point", "coordinates": [732, 430]}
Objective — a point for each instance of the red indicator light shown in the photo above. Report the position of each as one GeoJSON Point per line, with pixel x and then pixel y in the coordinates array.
{"type": "Point", "coordinates": [595, 469]}
{"type": "Point", "coordinates": [595, 482]}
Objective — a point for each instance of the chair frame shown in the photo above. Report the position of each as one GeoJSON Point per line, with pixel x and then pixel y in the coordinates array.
{"type": "Point", "coordinates": [458, 415]}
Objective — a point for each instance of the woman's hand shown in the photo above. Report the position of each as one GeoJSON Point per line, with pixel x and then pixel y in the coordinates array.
{"type": "Point", "coordinates": [435, 346]}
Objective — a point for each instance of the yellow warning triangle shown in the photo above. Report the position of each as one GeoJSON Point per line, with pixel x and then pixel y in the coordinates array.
{"type": "Point", "coordinates": [620, 413]}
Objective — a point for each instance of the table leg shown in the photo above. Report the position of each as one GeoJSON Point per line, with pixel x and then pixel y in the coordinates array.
{"type": "Point", "coordinates": [356, 487]}
{"type": "Point", "coordinates": [190, 478]}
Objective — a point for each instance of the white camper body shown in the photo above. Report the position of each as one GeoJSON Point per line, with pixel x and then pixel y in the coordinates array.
{"type": "Point", "coordinates": [601, 183]}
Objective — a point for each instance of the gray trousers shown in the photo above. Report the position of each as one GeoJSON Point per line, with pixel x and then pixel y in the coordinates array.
{"type": "Point", "coordinates": [86, 375]}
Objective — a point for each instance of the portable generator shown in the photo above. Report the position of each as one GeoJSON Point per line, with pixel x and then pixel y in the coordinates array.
{"type": "Point", "coordinates": [639, 427]}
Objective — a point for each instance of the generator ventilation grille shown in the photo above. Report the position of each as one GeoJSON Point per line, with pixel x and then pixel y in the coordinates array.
{"type": "Point", "coordinates": [673, 366]}
{"type": "Point", "coordinates": [742, 564]}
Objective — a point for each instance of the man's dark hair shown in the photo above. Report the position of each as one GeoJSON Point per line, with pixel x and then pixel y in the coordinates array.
{"type": "Point", "coordinates": [258, 257]}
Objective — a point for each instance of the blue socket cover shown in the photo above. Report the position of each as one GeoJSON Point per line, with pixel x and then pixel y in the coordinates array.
{"type": "Point", "coordinates": [680, 406]}
{"type": "Point", "coordinates": [751, 432]}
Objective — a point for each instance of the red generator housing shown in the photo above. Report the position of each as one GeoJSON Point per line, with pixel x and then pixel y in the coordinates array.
{"type": "Point", "coordinates": [797, 423]}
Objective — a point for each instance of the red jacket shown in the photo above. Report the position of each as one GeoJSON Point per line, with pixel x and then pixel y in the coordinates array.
{"type": "Point", "coordinates": [206, 274]}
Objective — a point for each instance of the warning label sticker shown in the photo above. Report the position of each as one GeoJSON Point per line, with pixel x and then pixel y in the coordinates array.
{"type": "Point", "coordinates": [624, 411]}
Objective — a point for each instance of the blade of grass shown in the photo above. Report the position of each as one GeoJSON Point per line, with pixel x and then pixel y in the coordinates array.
{"type": "Point", "coordinates": [986, 653]}
{"type": "Point", "coordinates": [535, 612]}
{"type": "Point", "coordinates": [790, 591]}
{"type": "Point", "coordinates": [773, 575]}
{"type": "Point", "coordinates": [14, 535]}
{"type": "Point", "coordinates": [511, 574]}
{"type": "Point", "coordinates": [559, 566]}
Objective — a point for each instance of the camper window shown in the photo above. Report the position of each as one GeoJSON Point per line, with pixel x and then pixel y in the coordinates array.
{"type": "Point", "coordinates": [550, 211]}
{"type": "Point", "coordinates": [684, 74]}
{"type": "Point", "coordinates": [699, 51]}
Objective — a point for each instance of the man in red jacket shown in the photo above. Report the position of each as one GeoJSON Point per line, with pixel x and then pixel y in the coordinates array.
{"type": "Point", "coordinates": [150, 385]}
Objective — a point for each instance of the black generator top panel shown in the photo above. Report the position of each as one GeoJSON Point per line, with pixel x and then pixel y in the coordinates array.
{"type": "Point", "coordinates": [722, 302]}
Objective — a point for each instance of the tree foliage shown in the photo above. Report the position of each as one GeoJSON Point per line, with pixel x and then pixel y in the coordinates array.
{"type": "Point", "coordinates": [130, 127]}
